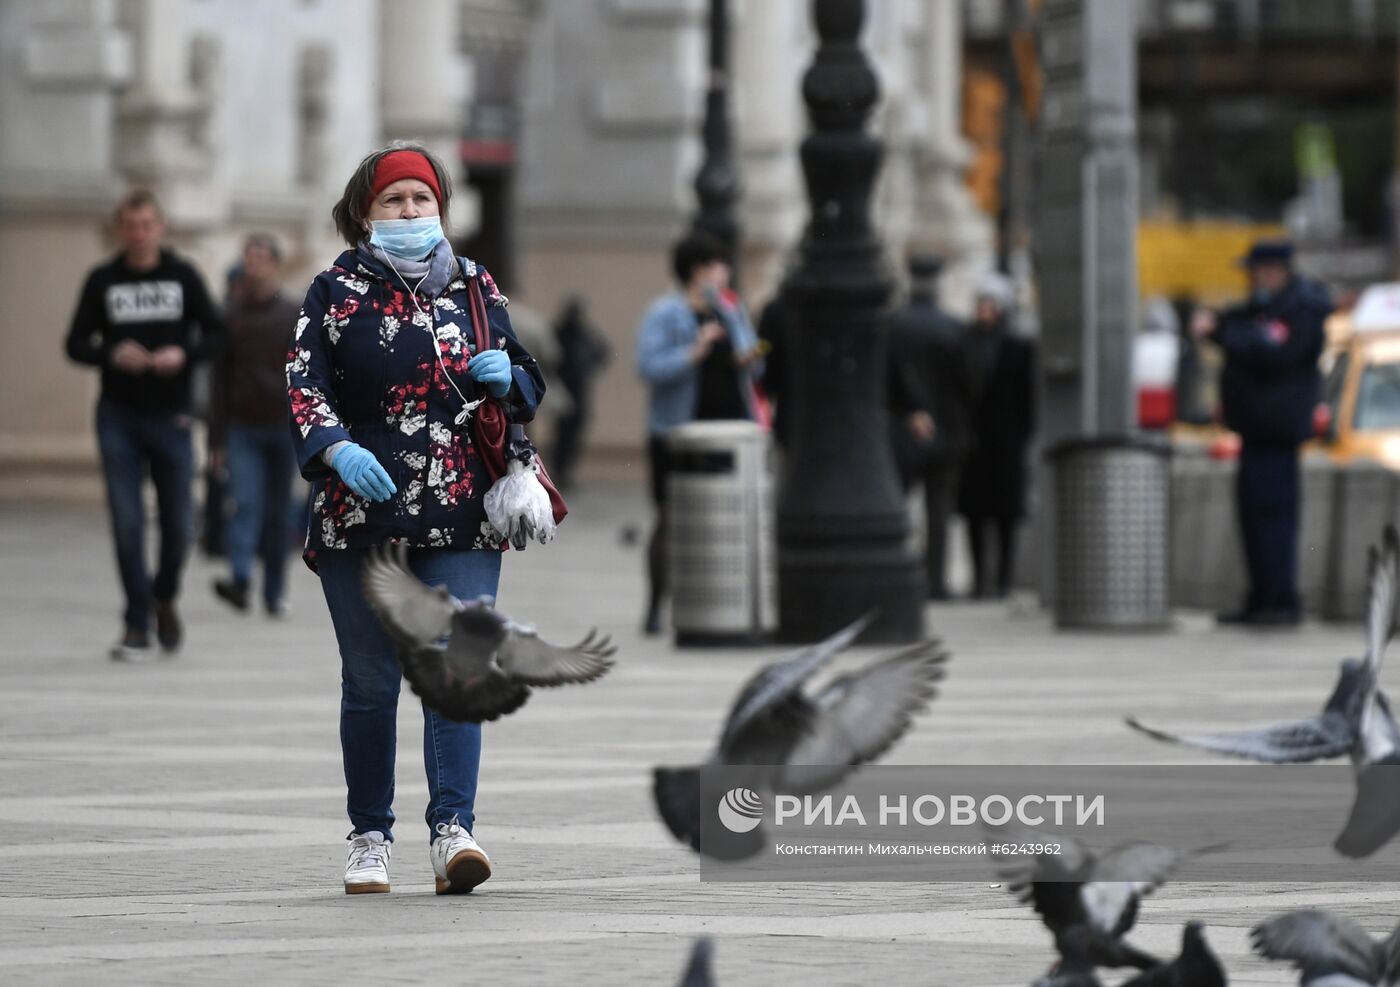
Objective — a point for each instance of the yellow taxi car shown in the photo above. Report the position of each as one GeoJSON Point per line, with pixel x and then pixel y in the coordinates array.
{"type": "Point", "coordinates": [1359, 417]}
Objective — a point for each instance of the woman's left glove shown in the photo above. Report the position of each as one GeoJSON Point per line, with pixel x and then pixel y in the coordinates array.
{"type": "Point", "coordinates": [492, 368]}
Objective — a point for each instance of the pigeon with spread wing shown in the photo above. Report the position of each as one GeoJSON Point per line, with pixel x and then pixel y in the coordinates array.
{"type": "Point", "coordinates": [1088, 902]}
{"type": "Point", "coordinates": [1356, 721]}
{"type": "Point", "coordinates": [465, 660]}
{"type": "Point", "coordinates": [1329, 951]}
{"type": "Point", "coordinates": [801, 742]}
{"type": "Point", "coordinates": [1195, 966]}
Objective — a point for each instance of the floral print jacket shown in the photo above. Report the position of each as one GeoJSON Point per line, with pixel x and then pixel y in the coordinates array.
{"type": "Point", "coordinates": [362, 368]}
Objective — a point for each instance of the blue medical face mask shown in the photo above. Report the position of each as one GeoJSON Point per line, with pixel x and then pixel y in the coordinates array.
{"type": "Point", "coordinates": [407, 239]}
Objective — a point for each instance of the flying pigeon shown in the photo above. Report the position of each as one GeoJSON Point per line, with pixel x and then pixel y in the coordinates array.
{"type": "Point", "coordinates": [1088, 902]}
{"type": "Point", "coordinates": [466, 660]}
{"type": "Point", "coordinates": [697, 974]}
{"type": "Point", "coordinates": [799, 742]}
{"type": "Point", "coordinates": [1355, 722]}
{"type": "Point", "coordinates": [1194, 966]}
{"type": "Point", "coordinates": [1329, 951]}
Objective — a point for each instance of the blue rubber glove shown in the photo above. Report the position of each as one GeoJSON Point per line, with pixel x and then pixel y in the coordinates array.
{"type": "Point", "coordinates": [492, 368]}
{"type": "Point", "coordinates": [362, 473]}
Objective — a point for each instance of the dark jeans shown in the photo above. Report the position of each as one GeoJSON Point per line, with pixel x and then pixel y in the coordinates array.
{"type": "Point", "coordinates": [369, 692]}
{"type": "Point", "coordinates": [131, 442]}
{"type": "Point", "coordinates": [260, 467]}
{"type": "Point", "coordinates": [984, 584]}
{"type": "Point", "coordinates": [940, 495]}
{"type": "Point", "coordinates": [568, 442]}
{"type": "Point", "coordinates": [1269, 498]}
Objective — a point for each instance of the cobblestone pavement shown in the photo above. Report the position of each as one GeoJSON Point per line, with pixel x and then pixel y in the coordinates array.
{"type": "Point", "coordinates": [182, 821]}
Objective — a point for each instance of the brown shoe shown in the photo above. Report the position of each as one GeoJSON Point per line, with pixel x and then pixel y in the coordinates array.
{"type": "Point", "coordinates": [169, 631]}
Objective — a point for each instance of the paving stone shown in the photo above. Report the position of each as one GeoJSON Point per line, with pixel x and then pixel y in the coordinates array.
{"type": "Point", "coordinates": [182, 821]}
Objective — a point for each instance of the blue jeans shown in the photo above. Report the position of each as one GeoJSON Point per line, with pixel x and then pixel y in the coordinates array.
{"type": "Point", "coordinates": [369, 692]}
{"type": "Point", "coordinates": [131, 441]}
{"type": "Point", "coordinates": [260, 467]}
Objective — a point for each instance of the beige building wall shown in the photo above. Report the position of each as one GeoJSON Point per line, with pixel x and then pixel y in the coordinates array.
{"type": "Point", "coordinates": [249, 115]}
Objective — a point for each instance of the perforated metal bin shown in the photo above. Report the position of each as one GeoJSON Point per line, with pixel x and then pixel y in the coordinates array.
{"type": "Point", "coordinates": [1112, 534]}
{"type": "Point", "coordinates": [721, 534]}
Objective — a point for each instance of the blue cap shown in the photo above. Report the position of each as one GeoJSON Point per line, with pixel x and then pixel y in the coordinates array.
{"type": "Point", "coordinates": [1268, 252]}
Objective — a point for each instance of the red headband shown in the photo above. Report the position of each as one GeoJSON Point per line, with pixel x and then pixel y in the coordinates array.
{"type": "Point", "coordinates": [404, 164]}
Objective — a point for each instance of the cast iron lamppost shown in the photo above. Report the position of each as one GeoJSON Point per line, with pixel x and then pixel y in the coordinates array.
{"type": "Point", "coordinates": [842, 526]}
{"type": "Point", "coordinates": [717, 181]}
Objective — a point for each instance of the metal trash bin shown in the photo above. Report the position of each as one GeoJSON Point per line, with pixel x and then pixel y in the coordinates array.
{"type": "Point", "coordinates": [1112, 534]}
{"type": "Point", "coordinates": [720, 531]}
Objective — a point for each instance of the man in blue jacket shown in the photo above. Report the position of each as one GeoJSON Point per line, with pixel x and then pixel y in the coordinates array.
{"type": "Point", "coordinates": [698, 354]}
{"type": "Point", "coordinates": [1269, 390]}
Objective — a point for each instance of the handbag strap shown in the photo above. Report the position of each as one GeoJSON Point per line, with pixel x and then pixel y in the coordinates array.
{"type": "Point", "coordinates": [488, 422]}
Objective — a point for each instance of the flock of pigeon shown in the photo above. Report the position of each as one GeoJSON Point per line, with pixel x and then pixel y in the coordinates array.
{"type": "Point", "coordinates": [470, 663]}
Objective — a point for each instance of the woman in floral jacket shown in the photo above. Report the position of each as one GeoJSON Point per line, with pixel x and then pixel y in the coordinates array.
{"type": "Point", "coordinates": [383, 376]}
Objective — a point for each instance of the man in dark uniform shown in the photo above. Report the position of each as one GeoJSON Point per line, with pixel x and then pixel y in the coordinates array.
{"type": "Point", "coordinates": [1269, 389]}
{"type": "Point", "coordinates": [926, 342]}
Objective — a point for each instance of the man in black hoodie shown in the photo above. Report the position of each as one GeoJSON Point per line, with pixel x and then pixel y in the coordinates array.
{"type": "Point", "coordinates": [1269, 391]}
{"type": "Point", "coordinates": [145, 318]}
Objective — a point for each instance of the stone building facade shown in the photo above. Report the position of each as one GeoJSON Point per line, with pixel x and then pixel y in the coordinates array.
{"type": "Point", "coordinates": [249, 114]}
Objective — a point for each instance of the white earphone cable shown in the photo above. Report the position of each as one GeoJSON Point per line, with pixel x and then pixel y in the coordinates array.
{"type": "Point", "coordinates": [467, 406]}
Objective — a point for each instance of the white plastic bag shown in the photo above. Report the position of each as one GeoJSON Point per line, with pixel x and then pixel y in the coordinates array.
{"type": "Point", "coordinates": [517, 505]}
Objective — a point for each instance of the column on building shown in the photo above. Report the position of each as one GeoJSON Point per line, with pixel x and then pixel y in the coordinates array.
{"type": "Point", "coordinates": [772, 41]}
{"type": "Point", "coordinates": [426, 84]}
{"type": "Point", "coordinates": [165, 116]}
{"type": "Point", "coordinates": [610, 147]}
{"type": "Point", "coordinates": [948, 221]}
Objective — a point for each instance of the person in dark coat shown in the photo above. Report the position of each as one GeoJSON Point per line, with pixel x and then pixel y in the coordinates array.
{"type": "Point", "coordinates": [926, 343]}
{"type": "Point", "coordinates": [583, 354]}
{"type": "Point", "coordinates": [992, 487]}
{"type": "Point", "coordinates": [248, 421]}
{"type": "Point", "coordinates": [1269, 391]}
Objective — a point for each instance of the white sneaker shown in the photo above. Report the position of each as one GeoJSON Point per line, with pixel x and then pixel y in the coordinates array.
{"type": "Point", "coordinates": [367, 864]}
{"type": "Point", "coordinates": [458, 862]}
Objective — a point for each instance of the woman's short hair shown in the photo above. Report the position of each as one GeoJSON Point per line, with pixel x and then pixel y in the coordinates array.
{"type": "Point", "coordinates": [694, 250]}
{"type": "Point", "coordinates": [351, 211]}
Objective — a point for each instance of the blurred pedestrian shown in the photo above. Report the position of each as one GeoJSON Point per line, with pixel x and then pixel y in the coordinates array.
{"type": "Point", "coordinates": [249, 422]}
{"type": "Point", "coordinates": [992, 487]}
{"type": "Point", "coordinates": [213, 510]}
{"type": "Point", "coordinates": [583, 355]}
{"type": "Point", "coordinates": [927, 343]}
{"type": "Point", "coordinates": [384, 380]}
{"type": "Point", "coordinates": [699, 355]}
{"type": "Point", "coordinates": [145, 318]}
{"type": "Point", "coordinates": [1269, 391]}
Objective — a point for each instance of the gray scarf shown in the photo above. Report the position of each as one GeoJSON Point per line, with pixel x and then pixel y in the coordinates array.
{"type": "Point", "coordinates": [435, 272]}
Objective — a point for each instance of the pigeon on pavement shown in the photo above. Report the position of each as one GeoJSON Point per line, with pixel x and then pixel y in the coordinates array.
{"type": "Point", "coordinates": [1329, 951]}
{"type": "Point", "coordinates": [1355, 722]}
{"type": "Point", "coordinates": [1194, 966]}
{"type": "Point", "coordinates": [466, 660]}
{"type": "Point", "coordinates": [802, 743]}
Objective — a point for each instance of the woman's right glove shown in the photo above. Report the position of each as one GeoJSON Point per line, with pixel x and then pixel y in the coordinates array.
{"type": "Point", "coordinates": [362, 473]}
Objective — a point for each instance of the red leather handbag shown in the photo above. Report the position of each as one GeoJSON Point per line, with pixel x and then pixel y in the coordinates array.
{"type": "Point", "coordinates": [489, 425]}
